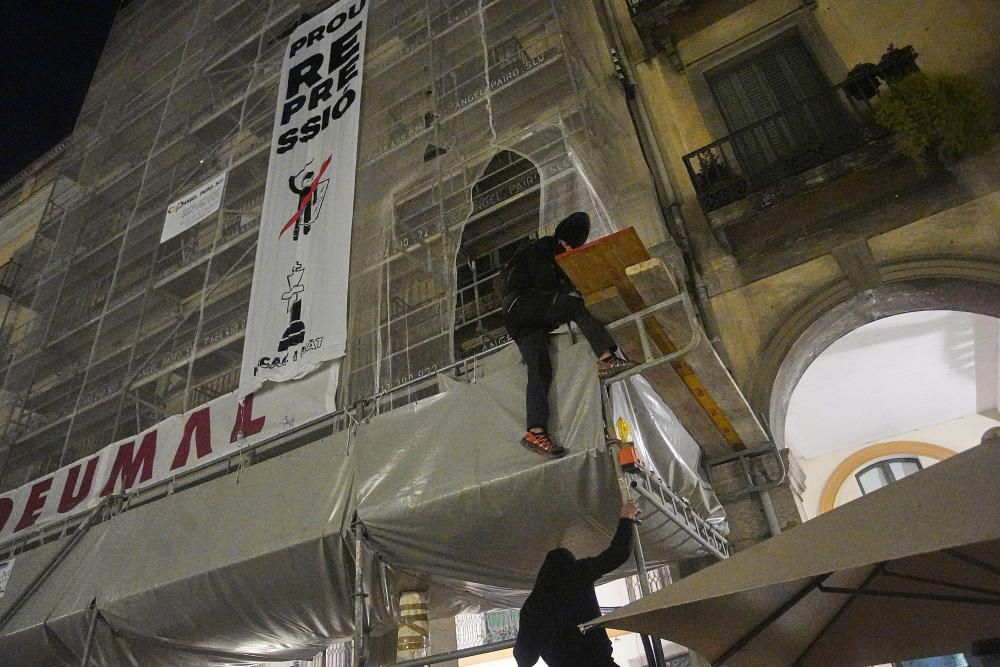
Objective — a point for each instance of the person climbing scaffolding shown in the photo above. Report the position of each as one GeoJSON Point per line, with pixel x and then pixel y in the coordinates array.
{"type": "Point", "coordinates": [538, 297]}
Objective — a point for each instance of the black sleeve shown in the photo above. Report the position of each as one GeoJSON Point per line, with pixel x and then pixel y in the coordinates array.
{"type": "Point", "coordinates": [526, 648]}
{"type": "Point", "coordinates": [612, 557]}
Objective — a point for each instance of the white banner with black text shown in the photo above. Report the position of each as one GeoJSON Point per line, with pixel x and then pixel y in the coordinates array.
{"type": "Point", "coordinates": [298, 301]}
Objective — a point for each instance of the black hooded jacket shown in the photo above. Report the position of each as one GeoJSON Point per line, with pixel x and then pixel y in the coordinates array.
{"type": "Point", "coordinates": [564, 597]}
{"type": "Point", "coordinates": [534, 267]}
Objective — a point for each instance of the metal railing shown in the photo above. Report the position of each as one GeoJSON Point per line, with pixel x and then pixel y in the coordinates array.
{"type": "Point", "coordinates": [660, 9]}
{"type": "Point", "coordinates": [805, 135]}
{"type": "Point", "coordinates": [217, 386]}
{"type": "Point", "coordinates": [473, 630]}
{"type": "Point", "coordinates": [680, 512]}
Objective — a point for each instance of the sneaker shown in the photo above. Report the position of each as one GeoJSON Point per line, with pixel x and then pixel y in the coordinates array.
{"type": "Point", "coordinates": [612, 366]}
{"type": "Point", "coordinates": [541, 443]}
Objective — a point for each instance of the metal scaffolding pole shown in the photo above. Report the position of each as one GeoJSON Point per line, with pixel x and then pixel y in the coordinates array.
{"type": "Point", "coordinates": [455, 655]}
{"type": "Point", "coordinates": [359, 596]}
{"type": "Point", "coordinates": [91, 627]}
{"type": "Point", "coordinates": [655, 656]}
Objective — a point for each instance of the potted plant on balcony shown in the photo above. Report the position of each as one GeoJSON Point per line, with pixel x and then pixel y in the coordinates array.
{"type": "Point", "coordinates": [896, 64]}
{"type": "Point", "coordinates": [716, 182]}
{"type": "Point", "coordinates": [862, 81]}
{"type": "Point", "coordinates": [949, 114]}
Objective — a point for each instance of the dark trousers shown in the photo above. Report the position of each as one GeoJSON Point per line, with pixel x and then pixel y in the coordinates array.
{"type": "Point", "coordinates": [530, 315]}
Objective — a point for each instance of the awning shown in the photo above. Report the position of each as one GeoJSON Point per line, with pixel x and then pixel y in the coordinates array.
{"type": "Point", "coordinates": [909, 571]}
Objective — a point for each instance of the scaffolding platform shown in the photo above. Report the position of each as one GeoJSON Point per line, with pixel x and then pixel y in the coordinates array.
{"type": "Point", "coordinates": [444, 493]}
{"type": "Point", "coordinates": [653, 320]}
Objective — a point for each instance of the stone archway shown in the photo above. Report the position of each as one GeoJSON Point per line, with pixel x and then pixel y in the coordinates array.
{"type": "Point", "coordinates": [786, 357]}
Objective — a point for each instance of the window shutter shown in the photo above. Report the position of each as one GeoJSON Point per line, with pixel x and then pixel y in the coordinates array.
{"type": "Point", "coordinates": [782, 84]}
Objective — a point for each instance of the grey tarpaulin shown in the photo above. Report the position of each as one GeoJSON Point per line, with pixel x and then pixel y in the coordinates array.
{"type": "Point", "coordinates": [252, 566]}
{"type": "Point", "coordinates": [668, 450]}
{"type": "Point", "coordinates": [450, 467]}
{"type": "Point", "coordinates": [258, 565]}
{"type": "Point", "coordinates": [448, 491]}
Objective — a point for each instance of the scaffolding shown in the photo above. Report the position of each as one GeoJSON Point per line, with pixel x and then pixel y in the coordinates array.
{"type": "Point", "coordinates": [483, 123]}
{"type": "Point", "coordinates": [704, 536]}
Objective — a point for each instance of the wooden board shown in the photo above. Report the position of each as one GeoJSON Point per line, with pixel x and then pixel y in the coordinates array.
{"type": "Point", "coordinates": [601, 264]}
{"type": "Point", "coordinates": [600, 269]}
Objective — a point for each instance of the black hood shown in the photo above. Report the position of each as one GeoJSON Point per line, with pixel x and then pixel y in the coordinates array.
{"type": "Point", "coordinates": [574, 229]}
{"type": "Point", "coordinates": [551, 578]}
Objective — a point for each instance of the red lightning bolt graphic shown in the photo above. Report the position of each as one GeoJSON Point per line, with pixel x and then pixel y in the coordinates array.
{"type": "Point", "coordinates": [308, 197]}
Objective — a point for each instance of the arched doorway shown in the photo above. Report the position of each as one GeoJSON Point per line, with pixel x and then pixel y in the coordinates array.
{"type": "Point", "coordinates": [812, 328]}
{"type": "Point", "coordinates": [927, 377]}
{"type": "Point", "coordinates": [506, 201]}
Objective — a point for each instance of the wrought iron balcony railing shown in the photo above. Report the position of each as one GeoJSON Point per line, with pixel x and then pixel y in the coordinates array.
{"type": "Point", "coordinates": [798, 138]}
{"type": "Point", "coordinates": [659, 10]}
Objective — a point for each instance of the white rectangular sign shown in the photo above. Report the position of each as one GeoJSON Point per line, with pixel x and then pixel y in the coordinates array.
{"type": "Point", "coordinates": [298, 300]}
{"type": "Point", "coordinates": [193, 207]}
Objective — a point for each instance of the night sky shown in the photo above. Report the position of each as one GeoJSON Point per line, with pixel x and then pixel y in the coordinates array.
{"type": "Point", "coordinates": [48, 52]}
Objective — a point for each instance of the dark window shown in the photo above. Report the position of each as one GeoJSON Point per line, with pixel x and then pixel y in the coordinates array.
{"type": "Point", "coordinates": [885, 472]}
{"type": "Point", "coordinates": [505, 212]}
{"type": "Point", "coordinates": [777, 106]}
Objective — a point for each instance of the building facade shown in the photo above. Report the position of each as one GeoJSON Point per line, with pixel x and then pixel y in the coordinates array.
{"type": "Point", "coordinates": [726, 132]}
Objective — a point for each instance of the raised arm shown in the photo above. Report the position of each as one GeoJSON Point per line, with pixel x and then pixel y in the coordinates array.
{"type": "Point", "coordinates": [619, 549]}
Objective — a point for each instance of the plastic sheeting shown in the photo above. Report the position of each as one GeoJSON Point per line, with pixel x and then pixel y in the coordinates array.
{"type": "Point", "coordinates": [484, 121]}
{"type": "Point", "coordinates": [258, 564]}
{"type": "Point", "coordinates": [462, 500]}
{"type": "Point", "coordinates": [666, 449]}
{"type": "Point", "coordinates": [247, 566]}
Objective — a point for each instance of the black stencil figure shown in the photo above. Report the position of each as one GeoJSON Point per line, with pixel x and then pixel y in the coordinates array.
{"type": "Point", "coordinates": [303, 190]}
{"type": "Point", "coordinates": [563, 597]}
{"type": "Point", "coordinates": [538, 298]}
{"type": "Point", "coordinates": [295, 334]}
{"type": "Point", "coordinates": [296, 331]}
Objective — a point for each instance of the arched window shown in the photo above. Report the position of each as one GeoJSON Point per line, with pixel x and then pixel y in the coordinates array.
{"type": "Point", "coordinates": [505, 212]}
{"type": "Point", "coordinates": [882, 473]}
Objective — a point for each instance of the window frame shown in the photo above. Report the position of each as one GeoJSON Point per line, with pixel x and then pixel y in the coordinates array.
{"type": "Point", "coordinates": [885, 466]}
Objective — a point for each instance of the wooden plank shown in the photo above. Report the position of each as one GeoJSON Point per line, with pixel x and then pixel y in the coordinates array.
{"type": "Point", "coordinates": [604, 265]}
{"type": "Point", "coordinates": [601, 264]}
{"type": "Point", "coordinates": [694, 383]}
{"type": "Point", "coordinates": [677, 395]}
{"type": "Point", "coordinates": [703, 368]}
{"type": "Point", "coordinates": [607, 305]}
{"type": "Point", "coordinates": [652, 280]}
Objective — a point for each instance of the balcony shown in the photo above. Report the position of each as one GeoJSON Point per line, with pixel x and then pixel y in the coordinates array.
{"type": "Point", "coordinates": [650, 14]}
{"type": "Point", "coordinates": [803, 180]}
{"type": "Point", "coordinates": [652, 20]}
{"type": "Point", "coordinates": [792, 141]}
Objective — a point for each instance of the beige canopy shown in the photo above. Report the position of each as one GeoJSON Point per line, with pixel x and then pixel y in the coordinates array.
{"type": "Point", "coordinates": [909, 571]}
